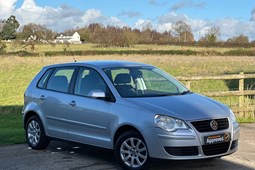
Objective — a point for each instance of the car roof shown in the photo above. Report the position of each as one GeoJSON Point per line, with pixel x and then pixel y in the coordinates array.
{"type": "Point", "coordinates": [101, 64]}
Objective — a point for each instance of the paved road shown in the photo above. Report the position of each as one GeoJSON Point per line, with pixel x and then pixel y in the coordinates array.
{"type": "Point", "coordinates": [70, 156]}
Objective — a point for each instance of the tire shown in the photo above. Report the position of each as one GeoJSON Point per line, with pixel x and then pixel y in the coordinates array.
{"type": "Point", "coordinates": [214, 158]}
{"type": "Point", "coordinates": [131, 151]}
{"type": "Point", "coordinates": [35, 134]}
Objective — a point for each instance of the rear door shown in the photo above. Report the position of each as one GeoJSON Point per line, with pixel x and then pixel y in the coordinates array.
{"type": "Point", "coordinates": [54, 101]}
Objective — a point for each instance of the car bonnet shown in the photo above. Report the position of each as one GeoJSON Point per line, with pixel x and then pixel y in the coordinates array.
{"type": "Point", "coordinates": [185, 107]}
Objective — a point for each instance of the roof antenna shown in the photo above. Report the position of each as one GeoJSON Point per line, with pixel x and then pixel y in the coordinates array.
{"type": "Point", "coordinates": [74, 58]}
{"type": "Point", "coordinates": [68, 46]}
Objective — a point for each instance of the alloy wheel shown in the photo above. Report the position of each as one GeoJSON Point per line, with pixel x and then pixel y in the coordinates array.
{"type": "Point", "coordinates": [33, 132]}
{"type": "Point", "coordinates": [133, 152]}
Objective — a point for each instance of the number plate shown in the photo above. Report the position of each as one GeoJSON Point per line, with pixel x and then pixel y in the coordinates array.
{"type": "Point", "coordinates": [220, 138]}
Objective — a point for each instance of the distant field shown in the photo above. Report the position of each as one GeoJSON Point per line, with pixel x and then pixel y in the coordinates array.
{"type": "Point", "coordinates": [88, 49]}
{"type": "Point", "coordinates": [11, 47]}
{"type": "Point", "coordinates": [17, 72]}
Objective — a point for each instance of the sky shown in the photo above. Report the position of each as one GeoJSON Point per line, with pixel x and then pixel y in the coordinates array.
{"type": "Point", "coordinates": [234, 17]}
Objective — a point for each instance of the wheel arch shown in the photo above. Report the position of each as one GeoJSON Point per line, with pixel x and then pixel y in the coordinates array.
{"type": "Point", "coordinates": [122, 129]}
{"type": "Point", "coordinates": [30, 114]}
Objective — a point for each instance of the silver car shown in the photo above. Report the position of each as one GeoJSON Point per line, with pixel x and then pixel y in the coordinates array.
{"type": "Point", "coordinates": [138, 110]}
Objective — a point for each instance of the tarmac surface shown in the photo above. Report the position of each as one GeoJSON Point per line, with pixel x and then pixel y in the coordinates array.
{"type": "Point", "coordinates": [71, 156]}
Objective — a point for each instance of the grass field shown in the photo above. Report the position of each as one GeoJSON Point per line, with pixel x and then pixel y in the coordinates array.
{"type": "Point", "coordinates": [17, 72]}
{"type": "Point", "coordinates": [11, 130]}
{"type": "Point", "coordinates": [92, 49]}
{"type": "Point", "coordinates": [11, 47]}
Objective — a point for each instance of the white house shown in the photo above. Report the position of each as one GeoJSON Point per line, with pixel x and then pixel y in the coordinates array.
{"type": "Point", "coordinates": [74, 39]}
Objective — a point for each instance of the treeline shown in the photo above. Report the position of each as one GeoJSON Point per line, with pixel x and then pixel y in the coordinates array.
{"type": "Point", "coordinates": [125, 37]}
{"type": "Point", "coordinates": [182, 35]}
{"type": "Point", "coordinates": [101, 35]}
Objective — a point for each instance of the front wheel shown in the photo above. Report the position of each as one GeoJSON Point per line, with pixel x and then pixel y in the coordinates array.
{"type": "Point", "coordinates": [35, 135]}
{"type": "Point", "coordinates": [131, 151]}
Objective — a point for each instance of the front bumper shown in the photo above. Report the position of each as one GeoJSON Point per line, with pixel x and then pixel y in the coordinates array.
{"type": "Point", "coordinates": [189, 144]}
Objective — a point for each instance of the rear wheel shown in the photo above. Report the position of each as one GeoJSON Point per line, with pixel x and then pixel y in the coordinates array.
{"type": "Point", "coordinates": [35, 134]}
{"type": "Point", "coordinates": [131, 151]}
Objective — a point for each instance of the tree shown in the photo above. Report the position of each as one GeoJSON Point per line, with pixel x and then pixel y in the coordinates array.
{"type": "Point", "coordinates": [2, 46]}
{"type": "Point", "coordinates": [2, 22]}
{"type": "Point", "coordinates": [132, 37]}
{"type": "Point", "coordinates": [95, 30]}
{"type": "Point", "coordinates": [9, 28]}
{"type": "Point", "coordinates": [36, 32]}
{"type": "Point", "coordinates": [183, 31]}
{"type": "Point", "coordinates": [241, 39]}
{"type": "Point", "coordinates": [213, 34]}
{"type": "Point", "coordinates": [85, 34]}
{"type": "Point", "coordinates": [166, 37]}
{"type": "Point", "coordinates": [146, 36]}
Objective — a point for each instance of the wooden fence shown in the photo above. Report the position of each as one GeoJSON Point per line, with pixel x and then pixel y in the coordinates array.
{"type": "Point", "coordinates": [241, 110]}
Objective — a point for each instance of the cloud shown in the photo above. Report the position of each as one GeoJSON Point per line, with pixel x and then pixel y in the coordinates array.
{"type": "Point", "coordinates": [6, 8]}
{"type": "Point", "coordinates": [95, 16]}
{"type": "Point", "coordinates": [232, 27]}
{"type": "Point", "coordinates": [142, 24]}
{"type": "Point", "coordinates": [131, 14]}
{"type": "Point", "coordinates": [165, 23]}
{"type": "Point", "coordinates": [153, 2]}
{"type": "Point", "coordinates": [187, 4]}
{"type": "Point", "coordinates": [200, 5]}
{"type": "Point", "coordinates": [65, 17]}
{"type": "Point", "coordinates": [252, 15]}
{"type": "Point", "coordinates": [229, 27]}
{"type": "Point", "coordinates": [61, 18]}
{"type": "Point", "coordinates": [172, 18]}
{"type": "Point", "coordinates": [158, 2]}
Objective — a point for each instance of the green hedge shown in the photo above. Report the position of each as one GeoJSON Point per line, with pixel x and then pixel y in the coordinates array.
{"type": "Point", "coordinates": [235, 52]}
{"type": "Point", "coordinates": [240, 52]}
{"type": "Point", "coordinates": [110, 52]}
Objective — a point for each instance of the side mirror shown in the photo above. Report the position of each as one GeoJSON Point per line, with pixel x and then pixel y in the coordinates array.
{"type": "Point", "coordinates": [97, 94]}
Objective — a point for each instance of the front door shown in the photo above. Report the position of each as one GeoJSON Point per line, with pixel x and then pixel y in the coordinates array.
{"type": "Point", "coordinates": [88, 116]}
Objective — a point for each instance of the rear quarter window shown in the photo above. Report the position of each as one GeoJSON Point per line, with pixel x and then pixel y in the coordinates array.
{"type": "Point", "coordinates": [42, 81]}
{"type": "Point", "coordinates": [60, 79]}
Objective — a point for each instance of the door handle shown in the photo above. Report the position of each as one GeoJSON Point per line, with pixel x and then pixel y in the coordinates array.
{"type": "Point", "coordinates": [42, 98]}
{"type": "Point", "coordinates": [72, 103]}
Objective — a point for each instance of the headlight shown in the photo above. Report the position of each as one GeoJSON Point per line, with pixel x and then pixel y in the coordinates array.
{"type": "Point", "coordinates": [168, 123]}
{"type": "Point", "coordinates": [232, 116]}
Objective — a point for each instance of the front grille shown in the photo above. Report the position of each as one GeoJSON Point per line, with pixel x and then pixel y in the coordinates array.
{"type": "Point", "coordinates": [204, 125]}
{"type": "Point", "coordinates": [182, 151]}
{"type": "Point", "coordinates": [234, 144]}
{"type": "Point", "coordinates": [215, 149]}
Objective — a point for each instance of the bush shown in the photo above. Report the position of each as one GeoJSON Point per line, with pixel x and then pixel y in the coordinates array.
{"type": "Point", "coordinates": [111, 52]}
{"type": "Point", "coordinates": [2, 47]}
{"type": "Point", "coordinates": [240, 52]}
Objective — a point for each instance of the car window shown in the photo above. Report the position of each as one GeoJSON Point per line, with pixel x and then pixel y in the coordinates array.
{"type": "Point", "coordinates": [89, 81]}
{"type": "Point", "coordinates": [42, 81]}
{"type": "Point", "coordinates": [118, 71]}
{"type": "Point", "coordinates": [112, 74]}
{"type": "Point", "coordinates": [143, 82]}
{"type": "Point", "coordinates": [60, 79]}
{"type": "Point", "coordinates": [157, 82]}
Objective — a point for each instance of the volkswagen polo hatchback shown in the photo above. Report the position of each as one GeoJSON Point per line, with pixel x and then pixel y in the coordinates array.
{"type": "Point", "coordinates": [138, 110]}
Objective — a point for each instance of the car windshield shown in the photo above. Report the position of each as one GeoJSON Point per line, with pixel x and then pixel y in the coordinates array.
{"type": "Point", "coordinates": [145, 81]}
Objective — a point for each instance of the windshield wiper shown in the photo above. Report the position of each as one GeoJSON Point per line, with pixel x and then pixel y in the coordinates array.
{"type": "Point", "coordinates": [167, 94]}
{"type": "Point", "coordinates": [185, 92]}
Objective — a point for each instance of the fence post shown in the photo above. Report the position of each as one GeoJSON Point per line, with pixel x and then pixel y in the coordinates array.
{"type": "Point", "coordinates": [188, 83]}
{"type": "Point", "coordinates": [241, 98]}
